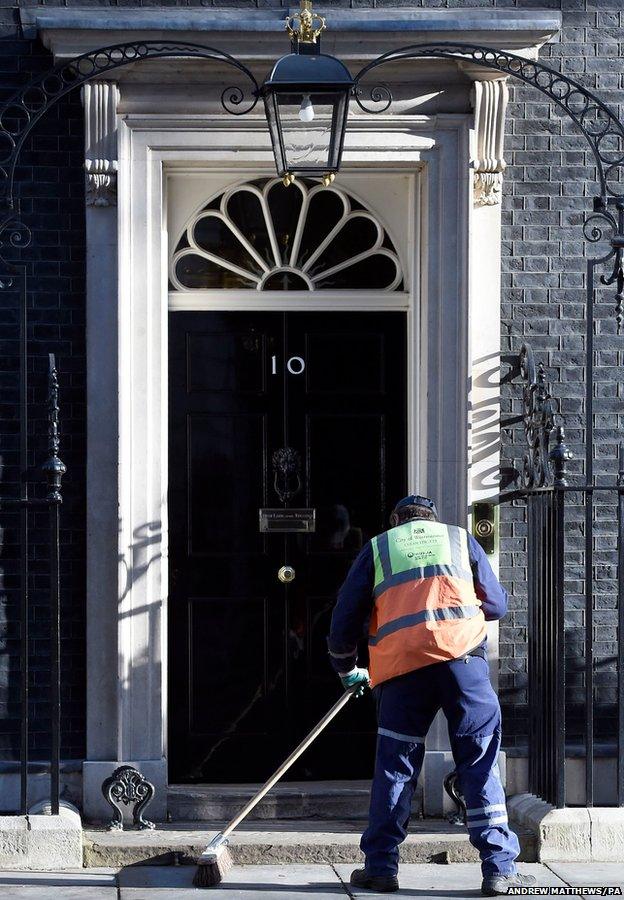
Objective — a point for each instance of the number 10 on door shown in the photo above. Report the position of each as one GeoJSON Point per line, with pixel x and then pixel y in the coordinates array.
{"type": "Point", "coordinates": [295, 365]}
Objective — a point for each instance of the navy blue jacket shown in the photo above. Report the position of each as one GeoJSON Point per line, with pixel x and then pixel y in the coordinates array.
{"type": "Point", "coordinates": [355, 602]}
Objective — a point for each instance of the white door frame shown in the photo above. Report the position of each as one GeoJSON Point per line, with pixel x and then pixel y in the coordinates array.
{"type": "Point", "coordinates": [127, 700]}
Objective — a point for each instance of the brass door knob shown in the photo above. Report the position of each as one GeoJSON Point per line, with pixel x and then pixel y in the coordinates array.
{"type": "Point", "coordinates": [286, 574]}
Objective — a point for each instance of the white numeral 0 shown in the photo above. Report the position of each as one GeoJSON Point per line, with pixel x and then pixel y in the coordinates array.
{"type": "Point", "coordinates": [297, 361]}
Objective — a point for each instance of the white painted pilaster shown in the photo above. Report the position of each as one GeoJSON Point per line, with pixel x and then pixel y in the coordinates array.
{"type": "Point", "coordinates": [122, 660]}
{"type": "Point", "coordinates": [490, 98]}
{"type": "Point", "coordinates": [102, 423]}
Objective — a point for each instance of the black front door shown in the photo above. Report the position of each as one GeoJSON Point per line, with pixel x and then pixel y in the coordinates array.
{"type": "Point", "coordinates": [249, 671]}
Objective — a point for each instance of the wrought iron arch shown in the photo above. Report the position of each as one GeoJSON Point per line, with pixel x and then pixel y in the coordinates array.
{"type": "Point", "coordinates": [597, 122]}
{"type": "Point", "coordinates": [21, 112]}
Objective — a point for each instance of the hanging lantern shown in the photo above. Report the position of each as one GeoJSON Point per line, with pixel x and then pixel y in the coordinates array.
{"type": "Point", "coordinates": [306, 99]}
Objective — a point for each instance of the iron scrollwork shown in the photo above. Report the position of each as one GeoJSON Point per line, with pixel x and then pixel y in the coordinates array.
{"type": "Point", "coordinates": [601, 220]}
{"type": "Point", "coordinates": [286, 473]}
{"type": "Point", "coordinates": [544, 465]}
{"type": "Point", "coordinates": [380, 94]}
{"type": "Point", "coordinates": [451, 786]}
{"type": "Point", "coordinates": [127, 785]}
{"type": "Point", "coordinates": [598, 124]}
{"type": "Point", "coordinates": [23, 110]}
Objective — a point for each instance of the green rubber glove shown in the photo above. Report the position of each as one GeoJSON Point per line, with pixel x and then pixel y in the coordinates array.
{"type": "Point", "coordinates": [356, 676]}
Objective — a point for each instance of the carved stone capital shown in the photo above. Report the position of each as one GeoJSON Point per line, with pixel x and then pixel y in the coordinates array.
{"type": "Point", "coordinates": [100, 100]}
{"type": "Point", "coordinates": [490, 99]}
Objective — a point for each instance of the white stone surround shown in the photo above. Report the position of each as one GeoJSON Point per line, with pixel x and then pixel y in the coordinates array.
{"type": "Point", "coordinates": [438, 151]}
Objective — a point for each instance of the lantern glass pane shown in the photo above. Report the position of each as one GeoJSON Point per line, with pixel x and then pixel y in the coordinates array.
{"type": "Point", "coordinates": [271, 109]}
{"type": "Point", "coordinates": [309, 145]}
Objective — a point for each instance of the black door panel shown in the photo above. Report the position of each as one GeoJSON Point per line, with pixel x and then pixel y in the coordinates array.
{"type": "Point", "coordinates": [249, 673]}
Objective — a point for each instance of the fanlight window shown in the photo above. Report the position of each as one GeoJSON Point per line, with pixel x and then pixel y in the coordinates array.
{"type": "Point", "coordinates": [264, 236]}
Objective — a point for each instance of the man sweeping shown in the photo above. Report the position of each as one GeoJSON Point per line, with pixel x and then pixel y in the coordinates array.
{"type": "Point", "coordinates": [427, 590]}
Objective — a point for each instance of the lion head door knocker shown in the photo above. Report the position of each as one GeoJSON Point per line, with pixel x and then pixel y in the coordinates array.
{"type": "Point", "coordinates": [127, 785]}
{"type": "Point", "coordinates": [286, 473]}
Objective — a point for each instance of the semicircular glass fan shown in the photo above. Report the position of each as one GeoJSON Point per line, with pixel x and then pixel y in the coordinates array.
{"type": "Point", "coordinates": [267, 237]}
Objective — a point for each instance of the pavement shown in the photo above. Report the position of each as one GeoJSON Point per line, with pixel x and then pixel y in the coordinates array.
{"type": "Point", "coordinates": [439, 882]}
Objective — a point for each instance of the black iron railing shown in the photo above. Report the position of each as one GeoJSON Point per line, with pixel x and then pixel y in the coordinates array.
{"type": "Point", "coordinates": [50, 473]}
{"type": "Point", "coordinates": [545, 533]}
{"type": "Point", "coordinates": [575, 536]}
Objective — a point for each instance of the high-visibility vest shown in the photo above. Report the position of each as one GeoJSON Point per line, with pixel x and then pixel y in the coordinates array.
{"type": "Point", "coordinates": [426, 609]}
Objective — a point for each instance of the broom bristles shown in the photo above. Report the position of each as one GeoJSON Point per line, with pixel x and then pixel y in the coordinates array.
{"type": "Point", "coordinates": [209, 874]}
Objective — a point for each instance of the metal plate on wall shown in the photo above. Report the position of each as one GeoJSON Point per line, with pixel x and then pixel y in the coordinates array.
{"type": "Point", "coordinates": [283, 520]}
{"type": "Point", "coordinates": [485, 525]}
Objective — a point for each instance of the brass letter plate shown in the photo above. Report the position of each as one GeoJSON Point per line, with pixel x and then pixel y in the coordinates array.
{"type": "Point", "coordinates": [301, 520]}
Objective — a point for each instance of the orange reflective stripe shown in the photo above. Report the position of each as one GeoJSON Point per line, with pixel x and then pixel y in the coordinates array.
{"type": "Point", "coordinates": [449, 614]}
{"type": "Point", "coordinates": [423, 645]}
{"type": "Point", "coordinates": [438, 592]}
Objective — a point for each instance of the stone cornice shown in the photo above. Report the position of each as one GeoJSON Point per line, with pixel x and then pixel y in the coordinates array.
{"type": "Point", "coordinates": [355, 35]}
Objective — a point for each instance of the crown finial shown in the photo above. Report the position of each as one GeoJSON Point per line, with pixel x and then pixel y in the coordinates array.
{"type": "Point", "coordinates": [305, 26]}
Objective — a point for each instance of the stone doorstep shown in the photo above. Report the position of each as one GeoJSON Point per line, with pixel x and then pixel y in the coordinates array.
{"type": "Point", "coordinates": [429, 841]}
{"type": "Point", "coordinates": [578, 834]}
{"type": "Point", "coordinates": [326, 800]}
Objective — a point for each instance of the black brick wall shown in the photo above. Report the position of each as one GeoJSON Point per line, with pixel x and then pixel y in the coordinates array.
{"type": "Point", "coordinates": [545, 196]}
{"type": "Point", "coordinates": [50, 187]}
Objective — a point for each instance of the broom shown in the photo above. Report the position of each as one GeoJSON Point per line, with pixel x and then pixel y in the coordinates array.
{"type": "Point", "coordinates": [216, 861]}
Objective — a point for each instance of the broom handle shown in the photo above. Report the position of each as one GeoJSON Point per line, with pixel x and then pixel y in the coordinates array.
{"type": "Point", "coordinates": [305, 743]}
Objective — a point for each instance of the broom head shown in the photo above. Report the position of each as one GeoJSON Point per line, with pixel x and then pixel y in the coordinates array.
{"type": "Point", "coordinates": [212, 866]}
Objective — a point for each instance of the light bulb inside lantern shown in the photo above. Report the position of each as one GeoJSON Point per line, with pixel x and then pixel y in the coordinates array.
{"type": "Point", "coordinates": [306, 110]}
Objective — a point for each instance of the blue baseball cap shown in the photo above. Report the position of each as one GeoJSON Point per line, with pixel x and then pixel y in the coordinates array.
{"type": "Point", "coordinates": [417, 500]}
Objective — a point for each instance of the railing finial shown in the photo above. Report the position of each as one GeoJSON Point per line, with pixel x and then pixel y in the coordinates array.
{"type": "Point", "coordinates": [54, 468]}
{"type": "Point", "coordinates": [558, 457]}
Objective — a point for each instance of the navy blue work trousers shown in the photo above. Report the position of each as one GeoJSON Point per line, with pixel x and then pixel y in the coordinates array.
{"type": "Point", "coordinates": [406, 707]}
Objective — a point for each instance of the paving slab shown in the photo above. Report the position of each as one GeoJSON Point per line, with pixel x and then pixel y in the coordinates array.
{"type": "Point", "coordinates": [590, 874]}
{"type": "Point", "coordinates": [71, 886]}
{"type": "Point", "coordinates": [449, 882]}
{"type": "Point", "coordinates": [267, 882]}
